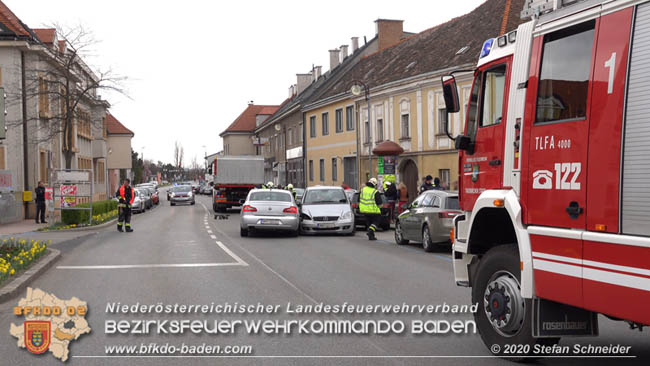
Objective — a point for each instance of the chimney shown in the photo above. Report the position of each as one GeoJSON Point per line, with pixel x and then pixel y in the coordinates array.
{"type": "Point", "coordinates": [291, 91]}
{"type": "Point", "coordinates": [317, 72]}
{"type": "Point", "coordinates": [303, 81]}
{"type": "Point", "coordinates": [389, 32]}
{"type": "Point", "coordinates": [334, 58]}
{"type": "Point", "coordinates": [355, 44]}
{"type": "Point", "coordinates": [344, 52]}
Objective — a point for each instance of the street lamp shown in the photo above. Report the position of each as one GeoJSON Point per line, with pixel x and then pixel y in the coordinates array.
{"type": "Point", "coordinates": [356, 90]}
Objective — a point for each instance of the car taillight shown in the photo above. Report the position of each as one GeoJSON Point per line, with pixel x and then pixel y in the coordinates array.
{"type": "Point", "coordinates": [355, 205]}
{"type": "Point", "coordinates": [248, 208]}
{"type": "Point", "coordinates": [292, 209]}
{"type": "Point", "coordinates": [447, 214]}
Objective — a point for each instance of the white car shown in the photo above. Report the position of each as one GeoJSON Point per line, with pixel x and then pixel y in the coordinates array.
{"type": "Point", "coordinates": [269, 209]}
{"type": "Point", "coordinates": [326, 210]}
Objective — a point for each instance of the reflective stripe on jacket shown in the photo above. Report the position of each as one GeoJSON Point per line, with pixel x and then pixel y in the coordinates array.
{"type": "Point", "coordinates": [367, 204]}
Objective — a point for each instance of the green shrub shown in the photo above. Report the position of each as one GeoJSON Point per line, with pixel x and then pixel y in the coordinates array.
{"type": "Point", "coordinates": [70, 217]}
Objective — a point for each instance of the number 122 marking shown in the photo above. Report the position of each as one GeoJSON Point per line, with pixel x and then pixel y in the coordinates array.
{"type": "Point", "coordinates": [562, 172]}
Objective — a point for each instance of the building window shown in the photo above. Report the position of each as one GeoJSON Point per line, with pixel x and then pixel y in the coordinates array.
{"type": "Point", "coordinates": [312, 126]}
{"type": "Point", "coordinates": [325, 120]}
{"type": "Point", "coordinates": [562, 91]}
{"type": "Point", "coordinates": [335, 172]}
{"type": "Point", "coordinates": [2, 157]}
{"type": "Point", "coordinates": [321, 169]}
{"type": "Point", "coordinates": [290, 137]}
{"type": "Point", "coordinates": [443, 174]}
{"type": "Point", "coordinates": [349, 118]}
{"type": "Point", "coordinates": [405, 126]}
{"type": "Point", "coordinates": [300, 132]}
{"type": "Point", "coordinates": [442, 121]}
{"type": "Point", "coordinates": [339, 120]}
{"type": "Point", "coordinates": [380, 130]}
{"type": "Point", "coordinates": [43, 97]}
{"type": "Point", "coordinates": [311, 170]}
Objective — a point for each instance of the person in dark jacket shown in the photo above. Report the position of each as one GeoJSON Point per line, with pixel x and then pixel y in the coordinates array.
{"type": "Point", "coordinates": [436, 184]}
{"type": "Point", "coordinates": [40, 203]}
{"type": "Point", "coordinates": [392, 196]}
{"type": "Point", "coordinates": [125, 195]}
{"type": "Point", "coordinates": [427, 185]}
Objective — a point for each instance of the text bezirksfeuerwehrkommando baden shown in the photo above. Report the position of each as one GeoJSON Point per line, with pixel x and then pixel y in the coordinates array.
{"type": "Point", "coordinates": [289, 308]}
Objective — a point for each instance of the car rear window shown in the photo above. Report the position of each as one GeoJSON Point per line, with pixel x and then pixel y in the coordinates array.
{"type": "Point", "coordinates": [270, 196]}
{"type": "Point", "coordinates": [452, 203]}
{"type": "Point", "coordinates": [182, 189]}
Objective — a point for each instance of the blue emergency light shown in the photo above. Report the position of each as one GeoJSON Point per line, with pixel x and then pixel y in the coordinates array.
{"type": "Point", "coordinates": [487, 47]}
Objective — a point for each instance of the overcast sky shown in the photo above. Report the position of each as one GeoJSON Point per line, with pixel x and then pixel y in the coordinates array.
{"type": "Point", "coordinates": [193, 65]}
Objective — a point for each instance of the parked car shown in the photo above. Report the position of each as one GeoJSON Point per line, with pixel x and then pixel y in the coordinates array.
{"type": "Point", "coordinates": [181, 194]}
{"type": "Point", "coordinates": [154, 197]}
{"type": "Point", "coordinates": [273, 209]}
{"type": "Point", "coordinates": [206, 189]}
{"type": "Point", "coordinates": [326, 209]}
{"type": "Point", "coordinates": [360, 219]}
{"type": "Point", "coordinates": [428, 219]}
{"type": "Point", "coordinates": [145, 195]}
{"type": "Point", "coordinates": [138, 204]}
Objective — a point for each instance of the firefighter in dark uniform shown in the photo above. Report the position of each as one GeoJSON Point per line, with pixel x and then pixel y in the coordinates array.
{"type": "Point", "coordinates": [125, 194]}
{"type": "Point", "coordinates": [369, 202]}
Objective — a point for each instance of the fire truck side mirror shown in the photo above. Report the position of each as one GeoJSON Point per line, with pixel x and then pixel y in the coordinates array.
{"type": "Point", "coordinates": [450, 93]}
{"type": "Point", "coordinates": [463, 142]}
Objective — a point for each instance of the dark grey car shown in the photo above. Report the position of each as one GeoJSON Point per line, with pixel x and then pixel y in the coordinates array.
{"type": "Point", "coordinates": [428, 219]}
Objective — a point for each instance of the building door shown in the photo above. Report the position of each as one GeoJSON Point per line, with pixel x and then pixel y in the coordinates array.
{"type": "Point", "coordinates": [350, 172]}
{"type": "Point", "coordinates": [409, 176]}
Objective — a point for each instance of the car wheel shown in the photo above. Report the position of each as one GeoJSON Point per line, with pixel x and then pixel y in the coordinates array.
{"type": "Point", "coordinates": [173, 204]}
{"type": "Point", "coordinates": [427, 245]}
{"type": "Point", "coordinates": [295, 233]}
{"type": "Point", "coordinates": [504, 316]}
{"type": "Point", "coordinates": [193, 202]}
{"type": "Point", "coordinates": [399, 234]}
{"type": "Point", "coordinates": [243, 232]}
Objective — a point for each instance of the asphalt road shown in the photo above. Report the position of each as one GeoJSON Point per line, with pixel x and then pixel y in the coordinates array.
{"type": "Point", "coordinates": [183, 255]}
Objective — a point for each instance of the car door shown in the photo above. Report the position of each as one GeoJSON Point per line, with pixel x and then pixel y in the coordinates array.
{"type": "Point", "coordinates": [409, 221]}
{"type": "Point", "coordinates": [421, 213]}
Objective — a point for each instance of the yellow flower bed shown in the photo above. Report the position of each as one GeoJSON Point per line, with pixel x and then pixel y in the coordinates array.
{"type": "Point", "coordinates": [97, 219]}
{"type": "Point", "coordinates": [18, 254]}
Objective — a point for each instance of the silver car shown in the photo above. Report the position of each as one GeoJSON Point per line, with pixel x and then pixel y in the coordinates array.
{"type": "Point", "coordinates": [269, 209]}
{"type": "Point", "coordinates": [138, 202]}
{"type": "Point", "coordinates": [326, 209]}
{"type": "Point", "coordinates": [181, 194]}
{"type": "Point", "coordinates": [428, 219]}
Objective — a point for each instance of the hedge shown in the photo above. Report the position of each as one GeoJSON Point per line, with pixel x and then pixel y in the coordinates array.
{"type": "Point", "coordinates": [82, 216]}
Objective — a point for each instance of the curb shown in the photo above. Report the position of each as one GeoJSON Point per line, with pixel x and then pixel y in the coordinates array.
{"type": "Point", "coordinates": [85, 228]}
{"type": "Point", "coordinates": [20, 283]}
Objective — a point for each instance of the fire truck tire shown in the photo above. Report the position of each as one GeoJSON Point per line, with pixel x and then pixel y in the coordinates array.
{"type": "Point", "coordinates": [504, 317]}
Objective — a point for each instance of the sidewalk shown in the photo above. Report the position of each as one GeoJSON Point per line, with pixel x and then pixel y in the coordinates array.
{"type": "Point", "coordinates": [20, 227]}
{"type": "Point", "coordinates": [26, 229]}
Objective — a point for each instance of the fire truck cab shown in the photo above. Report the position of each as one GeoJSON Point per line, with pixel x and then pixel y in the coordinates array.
{"type": "Point", "coordinates": [554, 168]}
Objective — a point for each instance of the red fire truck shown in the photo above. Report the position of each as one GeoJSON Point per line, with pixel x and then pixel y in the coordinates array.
{"type": "Point", "coordinates": [554, 168]}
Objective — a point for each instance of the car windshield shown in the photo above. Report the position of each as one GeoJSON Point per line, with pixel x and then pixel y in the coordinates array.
{"type": "Point", "coordinates": [270, 196]}
{"type": "Point", "coordinates": [320, 196]}
{"type": "Point", "coordinates": [182, 189]}
{"type": "Point", "coordinates": [452, 203]}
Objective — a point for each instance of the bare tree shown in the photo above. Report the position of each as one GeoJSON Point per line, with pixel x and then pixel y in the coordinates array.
{"type": "Point", "coordinates": [178, 154]}
{"type": "Point", "coordinates": [66, 89]}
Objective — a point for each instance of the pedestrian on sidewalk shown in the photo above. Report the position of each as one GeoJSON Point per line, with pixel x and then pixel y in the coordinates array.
{"type": "Point", "coordinates": [40, 203]}
{"type": "Point", "coordinates": [125, 194]}
{"type": "Point", "coordinates": [391, 195]}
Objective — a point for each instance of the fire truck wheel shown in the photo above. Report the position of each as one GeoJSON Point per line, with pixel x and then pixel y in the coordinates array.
{"type": "Point", "coordinates": [504, 316]}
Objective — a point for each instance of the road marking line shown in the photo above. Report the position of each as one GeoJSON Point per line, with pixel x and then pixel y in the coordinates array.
{"type": "Point", "coordinates": [213, 236]}
{"type": "Point", "coordinates": [230, 252]}
{"type": "Point", "coordinates": [210, 232]}
{"type": "Point", "coordinates": [171, 265]}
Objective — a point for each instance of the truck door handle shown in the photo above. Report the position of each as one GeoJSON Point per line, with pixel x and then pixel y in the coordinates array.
{"type": "Point", "coordinates": [574, 210]}
{"type": "Point", "coordinates": [496, 162]}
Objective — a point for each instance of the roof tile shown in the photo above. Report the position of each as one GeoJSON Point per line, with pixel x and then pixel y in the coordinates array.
{"type": "Point", "coordinates": [115, 127]}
